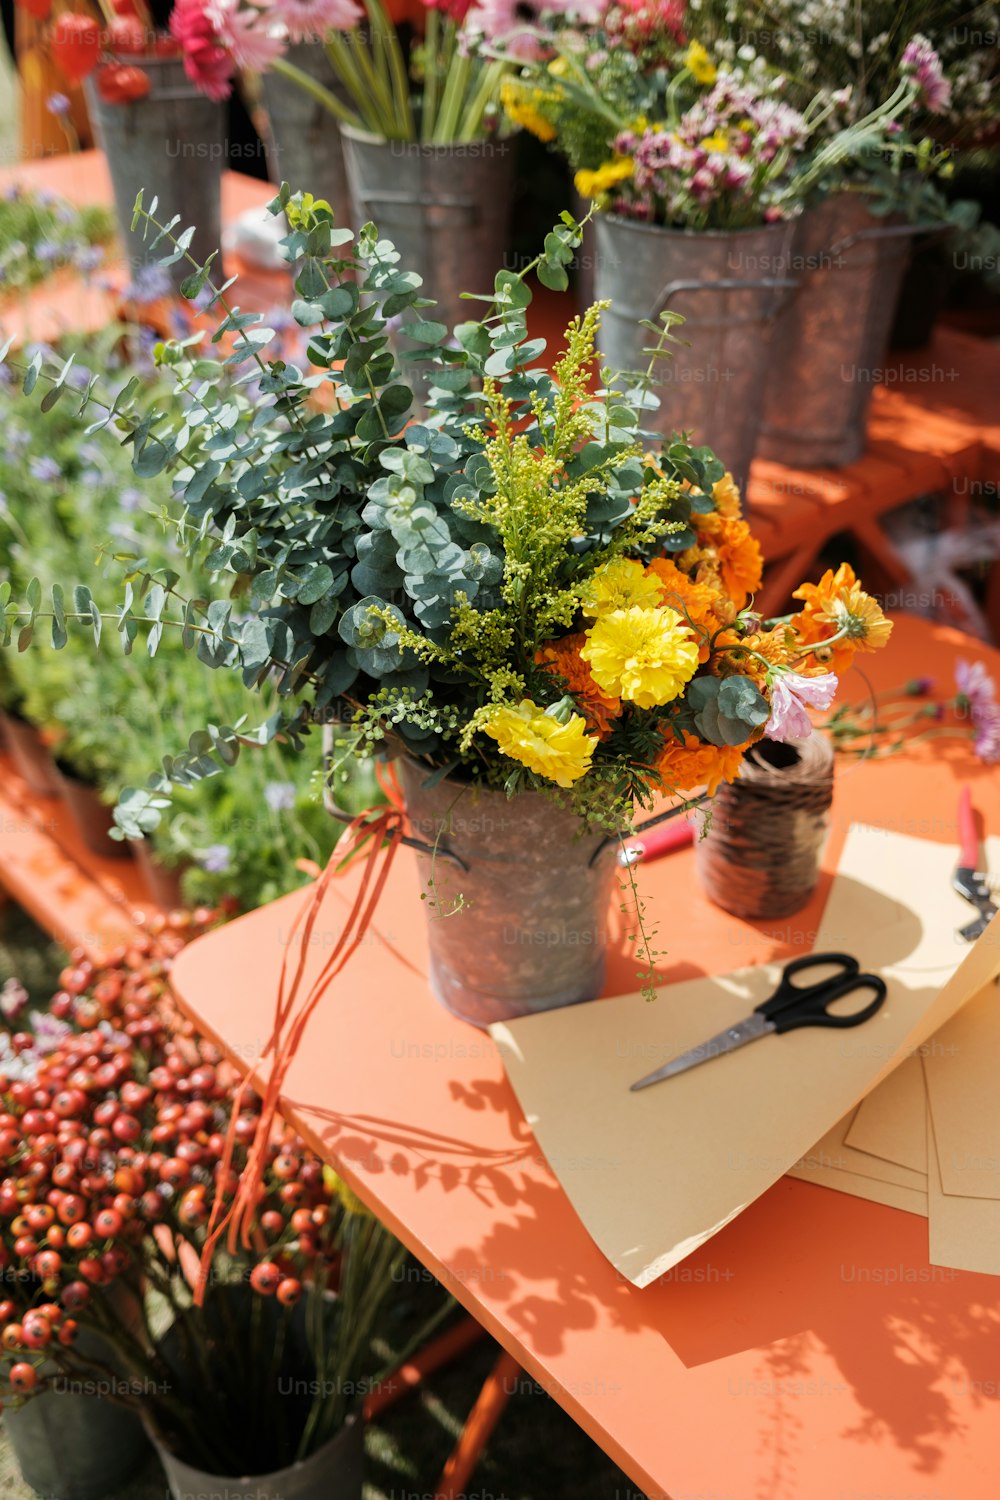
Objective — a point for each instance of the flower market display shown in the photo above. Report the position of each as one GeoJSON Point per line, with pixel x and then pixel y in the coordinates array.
{"type": "Point", "coordinates": [450, 605]}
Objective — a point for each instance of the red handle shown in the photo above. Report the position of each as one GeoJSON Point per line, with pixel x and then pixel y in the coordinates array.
{"type": "Point", "coordinates": [674, 834]}
{"type": "Point", "coordinates": [968, 838]}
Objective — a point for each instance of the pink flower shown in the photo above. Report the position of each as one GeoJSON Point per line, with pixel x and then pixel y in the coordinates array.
{"type": "Point", "coordinates": [978, 690]}
{"type": "Point", "coordinates": [920, 61]}
{"type": "Point", "coordinates": [208, 65]}
{"type": "Point", "coordinates": [790, 693]}
{"type": "Point", "coordinates": [253, 41]}
{"type": "Point", "coordinates": [310, 20]}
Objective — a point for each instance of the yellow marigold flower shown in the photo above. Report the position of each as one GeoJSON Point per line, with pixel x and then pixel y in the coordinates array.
{"type": "Point", "coordinates": [520, 104]}
{"type": "Point", "coordinates": [716, 143]}
{"type": "Point", "coordinates": [559, 752]}
{"type": "Point", "coordinates": [590, 184]}
{"type": "Point", "coordinates": [698, 62]}
{"type": "Point", "coordinates": [683, 767]}
{"type": "Point", "coordinates": [645, 656]}
{"type": "Point", "coordinates": [620, 584]}
{"type": "Point", "coordinates": [726, 494]}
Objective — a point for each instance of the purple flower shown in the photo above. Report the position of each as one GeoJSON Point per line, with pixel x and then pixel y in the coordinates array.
{"type": "Point", "coordinates": [216, 859]}
{"type": "Point", "coordinates": [57, 104]}
{"type": "Point", "coordinates": [88, 258]}
{"type": "Point", "coordinates": [977, 692]}
{"type": "Point", "coordinates": [149, 284]}
{"type": "Point", "coordinates": [922, 63]}
{"type": "Point", "coordinates": [280, 796]}
{"type": "Point", "coordinates": [13, 999]}
{"type": "Point", "coordinates": [44, 468]}
{"type": "Point", "coordinates": [790, 693]}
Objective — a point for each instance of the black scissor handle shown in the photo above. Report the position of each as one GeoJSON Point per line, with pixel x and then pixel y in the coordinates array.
{"type": "Point", "coordinates": [793, 1005]}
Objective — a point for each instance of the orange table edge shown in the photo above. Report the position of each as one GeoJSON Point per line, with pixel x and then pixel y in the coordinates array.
{"type": "Point", "coordinates": [809, 1350]}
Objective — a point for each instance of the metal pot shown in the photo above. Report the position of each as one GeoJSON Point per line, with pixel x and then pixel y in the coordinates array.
{"type": "Point", "coordinates": [729, 286]}
{"type": "Point", "coordinates": [830, 342]}
{"type": "Point", "coordinates": [307, 151]}
{"type": "Point", "coordinates": [172, 145]}
{"type": "Point", "coordinates": [445, 208]}
{"type": "Point", "coordinates": [333, 1472]}
{"type": "Point", "coordinates": [76, 1445]}
{"type": "Point", "coordinates": [164, 881]}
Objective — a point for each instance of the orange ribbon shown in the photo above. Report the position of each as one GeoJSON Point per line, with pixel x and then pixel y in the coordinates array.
{"type": "Point", "coordinates": [384, 828]}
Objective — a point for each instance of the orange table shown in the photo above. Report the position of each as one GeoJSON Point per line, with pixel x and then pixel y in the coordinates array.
{"type": "Point", "coordinates": [808, 1352]}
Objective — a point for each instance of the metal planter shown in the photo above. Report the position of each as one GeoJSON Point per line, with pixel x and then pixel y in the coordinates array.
{"type": "Point", "coordinates": [729, 286]}
{"type": "Point", "coordinates": [445, 208]}
{"type": "Point", "coordinates": [831, 339]}
{"type": "Point", "coordinates": [517, 894]}
{"type": "Point", "coordinates": [172, 145]}
{"type": "Point", "coordinates": [307, 151]}
{"type": "Point", "coordinates": [333, 1472]}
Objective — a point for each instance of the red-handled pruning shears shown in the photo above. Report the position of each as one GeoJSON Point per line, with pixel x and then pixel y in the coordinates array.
{"type": "Point", "coordinates": [967, 880]}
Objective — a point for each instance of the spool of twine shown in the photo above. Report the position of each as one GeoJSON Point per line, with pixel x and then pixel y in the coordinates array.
{"type": "Point", "coordinates": [760, 856]}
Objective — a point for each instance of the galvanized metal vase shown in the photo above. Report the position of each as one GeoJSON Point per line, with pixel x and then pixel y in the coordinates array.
{"type": "Point", "coordinates": [334, 1472]}
{"type": "Point", "coordinates": [172, 145]}
{"type": "Point", "coordinates": [729, 286]}
{"type": "Point", "coordinates": [830, 342]}
{"type": "Point", "coordinates": [518, 896]}
{"type": "Point", "coordinates": [445, 208]}
{"type": "Point", "coordinates": [307, 151]}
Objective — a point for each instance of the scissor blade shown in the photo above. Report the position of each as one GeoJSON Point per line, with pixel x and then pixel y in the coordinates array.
{"type": "Point", "coordinates": [726, 1041]}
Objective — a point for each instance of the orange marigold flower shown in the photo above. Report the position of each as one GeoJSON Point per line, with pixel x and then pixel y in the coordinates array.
{"type": "Point", "coordinates": [563, 658]}
{"type": "Point", "coordinates": [726, 494]}
{"type": "Point", "coordinates": [697, 602]}
{"type": "Point", "coordinates": [696, 763]}
{"type": "Point", "coordinates": [740, 560]}
{"type": "Point", "coordinates": [838, 605]}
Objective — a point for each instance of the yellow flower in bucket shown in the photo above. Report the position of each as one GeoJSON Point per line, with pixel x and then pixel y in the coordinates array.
{"type": "Point", "coordinates": [552, 743]}
{"type": "Point", "coordinates": [591, 184]}
{"type": "Point", "coordinates": [521, 105]}
{"type": "Point", "coordinates": [645, 656]}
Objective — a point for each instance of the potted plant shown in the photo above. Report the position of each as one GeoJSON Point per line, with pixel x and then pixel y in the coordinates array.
{"type": "Point", "coordinates": [417, 111]}
{"type": "Point", "coordinates": [541, 613]}
{"type": "Point", "coordinates": [701, 163]}
{"type": "Point", "coordinates": [117, 1213]}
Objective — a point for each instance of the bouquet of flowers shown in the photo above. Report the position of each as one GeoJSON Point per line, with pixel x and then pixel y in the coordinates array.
{"type": "Point", "coordinates": [659, 129]}
{"type": "Point", "coordinates": [524, 591]}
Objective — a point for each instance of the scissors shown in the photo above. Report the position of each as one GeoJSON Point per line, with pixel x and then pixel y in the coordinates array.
{"type": "Point", "coordinates": [792, 1005]}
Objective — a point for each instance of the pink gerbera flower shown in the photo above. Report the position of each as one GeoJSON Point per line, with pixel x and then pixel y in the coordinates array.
{"type": "Point", "coordinates": [920, 61]}
{"type": "Point", "coordinates": [310, 20]}
{"type": "Point", "coordinates": [253, 40]}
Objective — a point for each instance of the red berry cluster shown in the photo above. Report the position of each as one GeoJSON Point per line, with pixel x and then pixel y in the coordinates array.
{"type": "Point", "coordinates": [111, 1146]}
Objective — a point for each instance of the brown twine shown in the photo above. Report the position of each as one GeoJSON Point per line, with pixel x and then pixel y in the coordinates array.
{"type": "Point", "coordinates": [760, 856]}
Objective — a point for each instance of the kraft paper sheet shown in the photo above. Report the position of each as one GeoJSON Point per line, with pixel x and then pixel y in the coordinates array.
{"type": "Point", "coordinates": [963, 1233]}
{"type": "Point", "coordinates": [691, 1153]}
{"type": "Point", "coordinates": [891, 1124]}
{"type": "Point", "coordinates": [834, 1163]}
{"type": "Point", "coordinates": [962, 1069]}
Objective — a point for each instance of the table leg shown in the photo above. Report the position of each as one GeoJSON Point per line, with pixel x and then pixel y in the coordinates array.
{"type": "Point", "coordinates": [413, 1371]}
{"type": "Point", "coordinates": [483, 1417]}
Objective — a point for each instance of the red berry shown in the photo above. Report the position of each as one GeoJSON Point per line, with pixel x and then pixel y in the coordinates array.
{"type": "Point", "coordinates": [69, 1102]}
{"type": "Point", "coordinates": [79, 1236]}
{"type": "Point", "coordinates": [48, 1264]}
{"type": "Point", "coordinates": [272, 1222]}
{"type": "Point", "coordinates": [285, 1167]}
{"type": "Point", "coordinates": [92, 1270]}
{"type": "Point", "coordinates": [108, 1223]}
{"type": "Point", "coordinates": [68, 1332]}
{"type": "Point", "coordinates": [72, 1209]}
{"type": "Point", "coordinates": [289, 1291]}
{"type": "Point", "coordinates": [265, 1278]}
{"type": "Point", "coordinates": [126, 1128]}
{"type": "Point", "coordinates": [7, 1310]}
{"type": "Point", "coordinates": [36, 1331]}
{"type": "Point", "coordinates": [23, 1377]}
{"type": "Point", "coordinates": [12, 1336]}
{"type": "Point", "coordinates": [40, 1216]}
{"type": "Point", "coordinates": [175, 1172]}
{"type": "Point", "coordinates": [75, 1296]}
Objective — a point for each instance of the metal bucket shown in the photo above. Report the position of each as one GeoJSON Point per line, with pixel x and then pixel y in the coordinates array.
{"type": "Point", "coordinates": [517, 895]}
{"type": "Point", "coordinates": [729, 286]}
{"type": "Point", "coordinates": [333, 1472]}
{"type": "Point", "coordinates": [445, 208]}
{"type": "Point", "coordinates": [76, 1446]}
{"type": "Point", "coordinates": [831, 339]}
{"type": "Point", "coordinates": [171, 144]}
{"type": "Point", "coordinates": [305, 137]}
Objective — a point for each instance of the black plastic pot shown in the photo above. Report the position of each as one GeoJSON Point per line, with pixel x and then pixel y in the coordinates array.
{"type": "Point", "coordinates": [30, 755]}
{"type": "Point", "coordinates": [92, 818]}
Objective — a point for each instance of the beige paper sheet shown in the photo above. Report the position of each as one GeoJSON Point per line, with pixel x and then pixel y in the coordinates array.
{"type": "Point", "coordinates": [962, 1068]}
{"type": "Point", "coordinates": [963, 1233]}
{"type": "Point", "coordinates": [911, 1200]}
{"type": "Point", "coordinates": [891, 1124]}
{"type": "Point", "coordinates": [832, 1153]}
{"type": "Point", "coordinates": [700, 1147]}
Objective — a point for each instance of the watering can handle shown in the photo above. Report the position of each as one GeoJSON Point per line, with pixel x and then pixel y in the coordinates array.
{"type": "Point", "coordinates": [728, 285]}
{"type": "Point", "coordinates": [882, 232]}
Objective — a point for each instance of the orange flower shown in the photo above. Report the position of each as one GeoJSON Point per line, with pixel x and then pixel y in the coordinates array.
{"type": "Point", "coordinates": [740, 560]}
{"type": "Point", "coordinates": [695, 602]}
{"type": "Point", "coordinates": [563, 658]}
{"type": "Point", "coordinates": [838, 605]}
{"type": "Point", "coordinates": [772, 645]}
{"type": "Point", "coordinates": [726, 496]}
{"type": "Point", "coordinates": [695, 763]}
